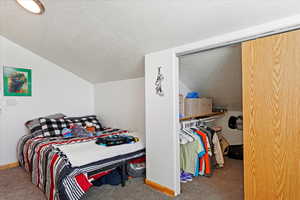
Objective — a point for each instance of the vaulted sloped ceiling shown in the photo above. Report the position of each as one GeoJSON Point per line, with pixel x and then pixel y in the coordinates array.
{"type": "Point", "coordinates": [105, 40]}
{"type": "Point", "coordinates": [216, 74]}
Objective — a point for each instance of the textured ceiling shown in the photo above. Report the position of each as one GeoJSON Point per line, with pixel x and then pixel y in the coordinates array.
{"type": "Point", "coordinates": [105, 40]}
{"type": "Point", "coordinates": [216, 74]}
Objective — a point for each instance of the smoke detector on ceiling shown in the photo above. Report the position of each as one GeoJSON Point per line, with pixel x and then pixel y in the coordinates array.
{"type": "Point", "coordinates": [33, 6]}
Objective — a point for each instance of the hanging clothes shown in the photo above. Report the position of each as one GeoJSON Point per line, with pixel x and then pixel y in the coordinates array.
{"type": "Point", "coordinates": [202, 154]}
{"type": "Point", "coordinates": [218, 151]}
{"type": "Point", "coordinates": [206, 157]}
{"type": "Point", "coordinates": [189, 154]}
{"type": "Point", "coordinates": [210, 134]}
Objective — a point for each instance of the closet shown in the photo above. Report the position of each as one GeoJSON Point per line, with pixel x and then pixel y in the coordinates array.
{"type": "Point", "coordinates": [210, 117]}
{"type": "Point", "coordinates": [270, 109]}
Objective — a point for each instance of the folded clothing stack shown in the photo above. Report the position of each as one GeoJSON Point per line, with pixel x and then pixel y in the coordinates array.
{"type": "Point", "coordinates": [113, 140]}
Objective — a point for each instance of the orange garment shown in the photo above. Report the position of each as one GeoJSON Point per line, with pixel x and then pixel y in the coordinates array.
{"type": "Point", "coordinates": [206, 156]}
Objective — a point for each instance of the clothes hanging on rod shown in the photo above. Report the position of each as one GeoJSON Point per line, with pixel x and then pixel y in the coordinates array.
{"type": "Point", "coordinates": [201, 155]}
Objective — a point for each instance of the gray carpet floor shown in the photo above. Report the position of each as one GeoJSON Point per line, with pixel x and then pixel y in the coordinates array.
{"type": "Point", "coordinates": [225, 184]}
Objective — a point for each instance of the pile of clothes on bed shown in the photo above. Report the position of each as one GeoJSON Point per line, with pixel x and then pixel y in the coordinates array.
{"type": "Point", "coordinates": [63, 156]}
{"type": "Point", "coordinates": [113, 140]}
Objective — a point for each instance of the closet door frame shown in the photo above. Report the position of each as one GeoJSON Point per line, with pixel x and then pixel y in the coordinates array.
{"type": "Point", "coordinates": [267, 29]}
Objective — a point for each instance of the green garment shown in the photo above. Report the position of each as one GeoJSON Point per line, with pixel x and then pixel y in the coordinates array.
{"type": "Point", "coordinates": [188, 156]}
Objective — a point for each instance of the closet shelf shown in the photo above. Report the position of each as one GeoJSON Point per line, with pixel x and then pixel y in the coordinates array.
{"type": "Point", "coordinates": [202, 116]}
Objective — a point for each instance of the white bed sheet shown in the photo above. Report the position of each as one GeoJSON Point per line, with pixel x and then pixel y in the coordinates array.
{"type": "Point", "coordinates": [80, 154]}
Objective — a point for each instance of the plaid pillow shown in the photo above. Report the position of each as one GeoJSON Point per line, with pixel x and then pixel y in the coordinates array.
{"type": "Point", "coordinates": [35, 129]}
{"type": "Point", "coordinates": [53, 127]}
{"type": "Point", "coordinates": [84, 120]}
{"type": "Point", "coordinates": [34, 125]}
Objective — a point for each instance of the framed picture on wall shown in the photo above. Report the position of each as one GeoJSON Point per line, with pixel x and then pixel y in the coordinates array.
{"type": "Point", "coordinates": [17, 81]}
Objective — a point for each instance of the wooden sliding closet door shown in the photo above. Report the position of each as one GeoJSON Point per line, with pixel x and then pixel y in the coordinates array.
{"type": "Point", "coordinates": [271, 103]}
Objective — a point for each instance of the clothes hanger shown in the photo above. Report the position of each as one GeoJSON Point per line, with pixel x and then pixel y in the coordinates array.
{"type": "Point", "coordinates": [189, 135]}
{"type": "Point", "coordinates": [186, 130]}
{"type": "Point", "coordinates": [182, 138]}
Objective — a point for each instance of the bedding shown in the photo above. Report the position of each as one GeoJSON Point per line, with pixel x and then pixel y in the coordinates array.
{"type": "Point", "coordinates": [52, 127]}
{"type": "Point", "coordinates": [92, 152]}
{"type": "Point", "coordinates": [62, 168]}
{"type": "Point", "coordinates": [34, 125]}
{"type": "Point", "coordinates": [82, 121]}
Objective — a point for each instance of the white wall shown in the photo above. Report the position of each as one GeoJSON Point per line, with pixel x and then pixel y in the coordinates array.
{"type": "Point", "coordinates": [183, 89]}
{"type": "Point", "coordinates": [121, 104]}
{"type": "Point", "coordinates": [162, 116]}
{"type": "Point", "coordinates": [217, 74]}
{"type": "Point", "coordinates": [54, 90]}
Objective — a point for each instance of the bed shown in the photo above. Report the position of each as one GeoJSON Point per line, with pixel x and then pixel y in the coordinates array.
{"type": "Point", "coordinates": [64, 167]}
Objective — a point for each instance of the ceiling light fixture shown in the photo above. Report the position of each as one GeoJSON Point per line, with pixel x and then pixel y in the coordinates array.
{"type": "Point", "coordinates": [33, 6]}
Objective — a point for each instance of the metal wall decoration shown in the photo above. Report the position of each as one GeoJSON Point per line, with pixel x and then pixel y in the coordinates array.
{"type": "Point", "coordinates": [158, 83]}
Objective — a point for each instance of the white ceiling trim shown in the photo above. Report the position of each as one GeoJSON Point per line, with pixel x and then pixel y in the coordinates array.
{"type": "Point", "coordinates": [271, 28]}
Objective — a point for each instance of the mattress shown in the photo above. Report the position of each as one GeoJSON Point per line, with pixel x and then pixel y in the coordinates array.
{"type": "Point", "coordinates": [84, 153]}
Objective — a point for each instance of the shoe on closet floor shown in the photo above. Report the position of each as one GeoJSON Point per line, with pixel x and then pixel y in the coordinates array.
{"type": "Point", "coordinates": [185, 177]}
{"type": "Point", "coordinates": [188, 176]}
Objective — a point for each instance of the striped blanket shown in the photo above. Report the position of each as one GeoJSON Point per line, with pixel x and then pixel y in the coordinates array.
{"type": "Point", "coordinates": [52, 171]}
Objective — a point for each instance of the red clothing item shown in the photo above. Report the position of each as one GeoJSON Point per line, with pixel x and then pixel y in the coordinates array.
{"type": "Point", "coordinates": [83, 182]}
{"type": "Point", "coordinates": [52, 164]}
{"type": "Point", "coordinates": [201, 166]}
{"type": "Point", "coordinates": [206, 156]}
{"type": "Point", "coordinates": [138, 160]}
{"type": "Point", "coordinates": [99, 175]}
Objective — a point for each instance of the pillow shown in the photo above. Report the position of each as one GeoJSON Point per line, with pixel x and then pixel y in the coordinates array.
{"type": "Point", "coordinates": [34, 125]}
{"type": "Point", "coordinates": [85, 119]}
{"type": "Point", "coordinates": [52, 127]}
